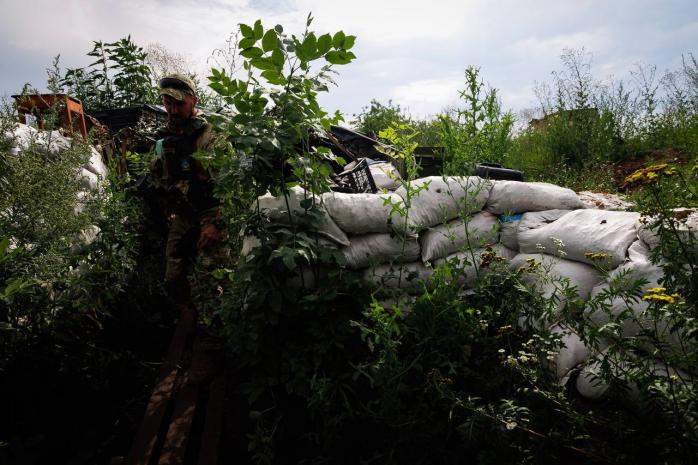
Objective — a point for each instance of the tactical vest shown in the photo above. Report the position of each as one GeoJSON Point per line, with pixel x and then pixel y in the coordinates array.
{"type": "Point", "coordinates": [189, 188]}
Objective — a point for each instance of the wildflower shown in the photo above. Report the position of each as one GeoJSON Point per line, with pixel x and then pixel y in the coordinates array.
{"type": "Point", "coordinates": [649, 175]}
{"type": "Point", "coordinates": [511, 425]}
{"type": "Point", "coordinates": [659, 295]}
{"type": "Point", "coordinates": [596, 256]}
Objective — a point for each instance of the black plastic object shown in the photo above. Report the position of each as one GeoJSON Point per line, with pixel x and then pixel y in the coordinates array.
{"type": "Point", "coordinates": [120, 118]}
{"type": "Point", "coordinates": [496, 171]}
{"type": "Point", "coordinates": [356, 180]}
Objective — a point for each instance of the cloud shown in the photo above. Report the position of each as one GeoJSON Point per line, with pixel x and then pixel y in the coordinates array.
{"type": "Point", "coordinates": [411, 51]}
{"type": "Point", "coordinates": [427, 97]}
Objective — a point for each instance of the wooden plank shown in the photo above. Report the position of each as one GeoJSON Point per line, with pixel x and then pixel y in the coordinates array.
{"type": "Point", "coordinates": [175, 446]}
{"type": "Point", "coordinates": [146, 438]}
{"type": "Point", "coordinates": [213, 426]}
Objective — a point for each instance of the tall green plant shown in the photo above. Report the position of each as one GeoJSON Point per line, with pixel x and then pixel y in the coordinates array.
{"type": "Point", "coordinates": [477, 132]}
{"type": "Point", "coordinates": [119, 76]}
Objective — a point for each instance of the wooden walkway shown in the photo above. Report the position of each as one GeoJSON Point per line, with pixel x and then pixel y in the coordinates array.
{"type": "Point", "coordinates": [183, 422]}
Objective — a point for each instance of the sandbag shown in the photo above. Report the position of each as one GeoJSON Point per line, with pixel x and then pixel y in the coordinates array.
{"type": "Point", "coordinates": [592, 385]}
{"type": "Point", "coordinates": [88, 180]}
{"type": "Point", "coordinates": [374, 249]}
{"type": "Point", "coordinates": [536, 220]}
{"type": "Point", "coordinates": [582, 232]}
{"type": "Point", "coordinates": [478, 231]}
{"type": "Point", "coordinates": [508, 230]}
{"type": "Point", "coordinates": [276, 209]}
{"type": "Point", "coordinates": [604, 201]}
{"type": "Point", "coordinates": [385, 176]}
{"type": "Point", "coordinates": [685, 223]}
{"type": "Point", "coordinates": [96, 165]}
{"type": "Point", "coordinates": [84, 239]}
{"type": "Point", "coordinates": [550, 279]}
{"type": "Point", "coordinates": [631, 315]}
{"type": "Point", "coordinates": [509, 197]}
{"type": "Point", "coordinates": [571, 354]}
{"type": "Point", "coordinates": [510, 225]}
{"type": "Point", "coordinates": [410, 277]}
{"type": "Point", "coordinates": [442, 200]}
{"type": "Point", "coordinates": [470, 263]}
{"type": "Point", "coordinates": [360, 213]}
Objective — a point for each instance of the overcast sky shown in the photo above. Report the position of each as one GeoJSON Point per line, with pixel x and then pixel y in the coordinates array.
{"type": "Point", "coordinates": [413, 52]}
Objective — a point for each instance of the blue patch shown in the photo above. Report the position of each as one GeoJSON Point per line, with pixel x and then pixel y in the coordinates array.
{"type": "Point", "coordinates": [184, 164]}
{"type": "Point", "coordinates": [510, 218]}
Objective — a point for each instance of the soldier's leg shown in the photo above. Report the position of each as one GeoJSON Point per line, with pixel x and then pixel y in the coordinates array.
{"type": "Point", "coordinates": [179, 253]}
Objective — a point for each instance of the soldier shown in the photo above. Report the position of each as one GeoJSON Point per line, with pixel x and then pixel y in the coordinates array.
{"type": "Point", "coordinates": [191, 208]}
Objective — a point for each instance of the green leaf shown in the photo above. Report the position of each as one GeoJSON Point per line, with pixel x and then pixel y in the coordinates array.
{"type": "Point", "coordinates": [247, 43]}
{"type": "Point", "coordinates": [324, 42]}
{"type": "Point", "coordinates": [252, 52]}
{"type": "Point", "coordinates": [338, 39]}
{"type": "Point", "coordinates": [270, 41]}
{"type": "Point", "coordinates": [4, 245]}
{"type": "Point", "coordinates": [262, 63]}
{"type": "Point", "coordinates": [349, 42]}
{"type": "Point", "coordinates": [279, 28]}
{"type": "Point", "coordinates": [339, 57]}
{"type": "Point", "coordinates": [246, 31]}
{"type": "Point", "coordinates": [258, 29]}
{"type": "Point", "coordinates": [273, 77]}
{"type": "Point", "coordinates": [277, 57]}
{"type": "Point", "coordinates": [309, 46]}
{"type": "Point", "coordinates": [242, 106]}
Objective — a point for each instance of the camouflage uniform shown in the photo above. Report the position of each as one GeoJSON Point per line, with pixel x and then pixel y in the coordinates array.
{"type": "Point", "coordinates": [188, 197]}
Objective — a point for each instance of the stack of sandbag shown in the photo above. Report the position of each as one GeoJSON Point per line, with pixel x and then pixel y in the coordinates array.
{"type": "Point", "coordinates": [683, 222]}
{"type": "Point", "coordinates": [92, 173]}
{"type": "Point", "coordinates": [398, 238]}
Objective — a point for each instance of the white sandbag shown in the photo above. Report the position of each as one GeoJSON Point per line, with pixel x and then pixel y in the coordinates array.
{"type": "Point", "coordinates": [605, 201]}
{"type": "Point", "coordinates": [512, 224]}
{"type": "Point", "coordinates": [54, 141]}
{"type": "Point", "coordinates": [469, 264]}
{"type": "Point", "coordinates": [360, 213]}
{"type": "Point", "coordinates": [631, 316]}
{"type": "Point", "coordinates": [476, 232]}
{"type": "Point", "coordinates": [249, 243]}
{"type": "Point", "coordinates": [411, 277]}
{"type": "Point", "coordinates": [20, 137]}
{"type": "Point", "coordinates": [536, 220]}
{"type": "Point", "coordinates": [385, 176]}
{"type": "Point", "coordinates": [96, 165]}
{"type": "Point", "coordinates": [375, 249]}
{"type": "Point", "coordinates": [517, 197]}
{"type": "Point", "coordinates": [582, 232]}
{"type": "Point", "coordinates": [84, 239]}
{"type": "Point", "coordinates": [685, 223]}
{"type": "Point", "coordinates": [508, 230]}
{"type": "Point", "coordinates": [88, 180]}
{"type": "Point", "coordinates": [442, 200]}
{"type": "Point", "coordinates": [551, 279]}
{"type": "Point", "coordinates": [276, 209]}
{"type": "Point", "coordinates": [592, 385]}
{"type": "Point", "coordinates": [571, 354]}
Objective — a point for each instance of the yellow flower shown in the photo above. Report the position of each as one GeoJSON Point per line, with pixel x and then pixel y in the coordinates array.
{"type": "Point", "coordinates": [596, 256]}
{"type": "Point", "coordinates": [658, 294]}
{"type": "Point", "coordinates": [650, 174]}
{"type": "Point", "coordinates": [657, 290]}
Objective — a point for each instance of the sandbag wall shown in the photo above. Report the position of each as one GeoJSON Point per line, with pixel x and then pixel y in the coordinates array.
{"type": "Point", "coordinates": [92, 173]}
{"type": "Point", "coordinates": [459, 217]}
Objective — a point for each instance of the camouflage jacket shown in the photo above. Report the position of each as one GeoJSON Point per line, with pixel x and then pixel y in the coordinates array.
{"type": "Point", "coordinates": [186, 184]}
